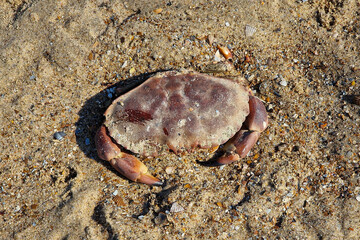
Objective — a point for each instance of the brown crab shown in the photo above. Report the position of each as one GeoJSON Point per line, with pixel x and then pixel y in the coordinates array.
{"type": "Point", "coordinates": [179, 111]}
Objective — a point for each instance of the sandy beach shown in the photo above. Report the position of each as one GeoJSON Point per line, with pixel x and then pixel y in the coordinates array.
{"type": "Point", "coordinates": [61, 61]}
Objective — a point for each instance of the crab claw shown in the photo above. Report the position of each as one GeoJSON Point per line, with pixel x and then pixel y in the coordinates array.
{"type": "Point", "coordinates": [257, 120]}
{"type": "Point", "coordinates": [240, 145]}
{"type": "Point", "coordinates": [126, 164]}
{"type": "Point", "coordinates": [130, 167]}
{"type": "Point", "coordinates": [227, 158]}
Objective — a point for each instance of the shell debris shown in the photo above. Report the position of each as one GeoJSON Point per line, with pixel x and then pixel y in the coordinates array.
{"type": "Point", "coordinates": [176, 207]}
{"type": "Point", "coordinates": [225, 52]}
{"type": "Point", "coordinates": [158, 10]}
{"type": "Point", "coordinates": [217, 56]}
{"type": "Point", "coordinates": [249, 30]}
{"type": "Point", "coordinates": [59, 135]}
{"type": "Point", "coordinates": [170, 170]}
{"type": "Point", "coordinates": [118, 201]}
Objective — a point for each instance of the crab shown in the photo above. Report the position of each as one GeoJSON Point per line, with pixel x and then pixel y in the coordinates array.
{"type": "Point", "coordinates": [180, 111]}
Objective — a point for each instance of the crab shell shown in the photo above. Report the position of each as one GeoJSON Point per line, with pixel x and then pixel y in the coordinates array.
{"type": "Point", "coordinates": [179, 111]}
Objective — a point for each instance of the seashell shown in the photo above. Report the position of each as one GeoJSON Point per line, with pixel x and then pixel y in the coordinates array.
{"type": "Point", "coordinates": [225, 52]}
{"type": "Point", "coordinates": [118, 201]}
{"type": "Point", "coordinates": [211, 39]}
{"type": "Point", "coordinates": [217, 56]}
{"type": "Point", "coordinates": [175, 208]}
{"type": "Point", "coordinates": [59, 135]}
{"type": "Point", "coordinates": [249, 30]}
{"type": "Point", "coordinates": [157, 11]}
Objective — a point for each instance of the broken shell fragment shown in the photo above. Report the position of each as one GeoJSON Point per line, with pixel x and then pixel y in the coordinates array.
{"type": "Point", "coordinates": [175, 208]}
{"type": "Point", "coordinates": [249, 31]}
{"type": "Point", "coordinates": [225, 52]}
{"type": "Point", "coordinates": [59, 135]}
{"type": "Point", "coordinates": [158, 10]}
{"type": "Point", "coordinates": [217, 56]}
{"type": "Point", "coordinates": [170, 170]}
{"type": "Point", "coordinates": [211, 39]}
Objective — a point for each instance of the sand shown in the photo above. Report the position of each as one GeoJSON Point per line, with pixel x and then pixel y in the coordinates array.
{"type": "Point", "coordinates": [60, 61]}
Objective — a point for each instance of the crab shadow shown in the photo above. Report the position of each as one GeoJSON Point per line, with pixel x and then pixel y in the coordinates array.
{"type": "Point", "coordinates": [91, 115]}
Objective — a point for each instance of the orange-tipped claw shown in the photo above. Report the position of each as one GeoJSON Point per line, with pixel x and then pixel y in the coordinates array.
{"type": "Point", "coordinates": [149, 179]}
{"type": "Point", "coordinates": [126, 164]}
{"type": "Point", "coordinates": [130, 167]}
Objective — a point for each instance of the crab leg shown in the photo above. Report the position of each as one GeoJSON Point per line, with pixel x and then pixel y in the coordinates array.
{"type": "Point", "coordinates": [240, 145]}
{"type": "Point", "coordinates": [126, 164]}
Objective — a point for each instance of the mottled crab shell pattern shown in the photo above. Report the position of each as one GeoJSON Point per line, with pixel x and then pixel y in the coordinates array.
{"type": "Point", "coordinates": [178, 111]}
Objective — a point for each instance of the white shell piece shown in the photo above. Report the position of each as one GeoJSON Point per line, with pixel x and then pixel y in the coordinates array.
{"type": "Point", "coordinates": [249, 31]}
{"type": "Point", "coordinates": [175, 208]}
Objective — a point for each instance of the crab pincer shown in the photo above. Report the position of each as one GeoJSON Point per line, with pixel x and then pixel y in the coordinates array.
{"type": "Point", "coordinates": [241, 144]}
{"type": "Point", "coordinates": [126, 164]}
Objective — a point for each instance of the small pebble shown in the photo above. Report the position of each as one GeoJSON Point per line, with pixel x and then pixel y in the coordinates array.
{"type": "Point", "coordinates": [358, 198]}
{"type": "Point", "coordinates": [132, 70]}
{"type": "Point", "coordinates": [115, 192]}
{"type": "Point", "coordinates": [169, 170]}
{"type": "Point", "coordinates": [227, 24]}
{"type": "Point", "coordinates": [283, 83]}
{"type": "Point", "coordinates": [59, 135]}
{"type": "Point", "coordinates": [160, 218]}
